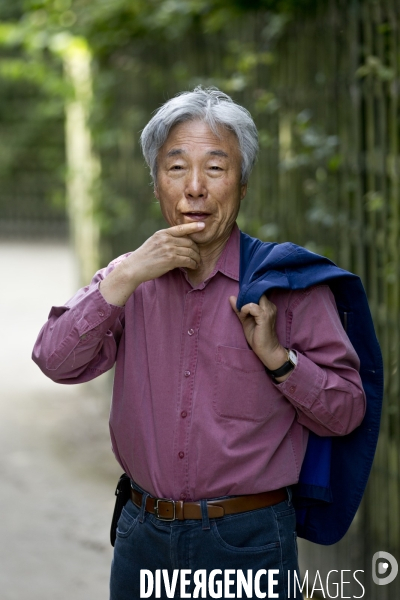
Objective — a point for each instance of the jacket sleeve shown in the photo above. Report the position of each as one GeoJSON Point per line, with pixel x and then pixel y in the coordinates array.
{"type": "Point", "coordinates": [80, 339]}
{"type": "Point", "coordinates": [325, 386]}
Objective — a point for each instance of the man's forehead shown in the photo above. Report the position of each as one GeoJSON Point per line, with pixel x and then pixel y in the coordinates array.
{"type": "Point", "coordinates": [197, 138]}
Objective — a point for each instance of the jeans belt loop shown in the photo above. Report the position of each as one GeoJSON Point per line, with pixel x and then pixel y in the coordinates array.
{"type": "Point", "coordinates": [142, 512]}
{"type": "Point", "coordinates": [204, 515]}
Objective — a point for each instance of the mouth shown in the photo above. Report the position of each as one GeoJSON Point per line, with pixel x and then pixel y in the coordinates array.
{"type": "Point", "coordinates": [196, 215]}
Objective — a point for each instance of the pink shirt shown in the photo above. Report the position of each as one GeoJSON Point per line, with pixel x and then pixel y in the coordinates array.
{"type": "Point", "coordinates": [194, 414]}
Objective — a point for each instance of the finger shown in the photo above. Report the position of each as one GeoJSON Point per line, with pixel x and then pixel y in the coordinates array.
{"type": "Point", "coordinates": [232, 302]}
{"type": "Point", "coordinates": [186, 228]}
{"type": "Point", "coordinates": [187, 262]}
{"type": "Point", "coordinates": [192, 253]}
{"type": "Point", "coordinates": [247, 310]}
{"type": "Point", "coordinates": [184, 242]}
{"type": "Point", "coordinates": [252, 309]}
{"type": "Point", "coordinates": [265, 303]}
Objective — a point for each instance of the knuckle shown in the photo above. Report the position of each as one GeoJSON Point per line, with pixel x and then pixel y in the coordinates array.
{"type": "Point", "coordinates": [158, 237]}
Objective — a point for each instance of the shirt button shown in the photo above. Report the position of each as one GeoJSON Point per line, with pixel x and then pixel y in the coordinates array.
{"type": "Point", "coordinates": [191, 332]}
{"type": "Point", "coordinates": [292, 389]}
{"type": "Point", "coordinates": [182, 497]}
{"type": "Point", "coordinates": [183, 414]}
{"type": "Point", "coordinates": [187, 373]}
{"type": "Point", "coordinates": [101, 313]}
{"type": "Point", "coordinates": [181, 454]}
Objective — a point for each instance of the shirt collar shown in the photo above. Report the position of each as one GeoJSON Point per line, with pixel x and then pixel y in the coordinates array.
{"type": "Point", "coordinates": [228, 262]}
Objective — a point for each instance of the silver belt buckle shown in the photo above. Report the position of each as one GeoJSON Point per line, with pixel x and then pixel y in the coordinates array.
{"type": "Point", "coordinates": [157, 500]}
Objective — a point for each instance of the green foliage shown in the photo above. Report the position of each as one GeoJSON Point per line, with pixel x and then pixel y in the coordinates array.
{"type": "Point", "coordinates": [11, 11]}
{"type": "Point", "coordinates": [144, 52]}
{"type": "Point", "coordinates": [32, 103]}
{"type": "Point", "coordinates": [373, 67]}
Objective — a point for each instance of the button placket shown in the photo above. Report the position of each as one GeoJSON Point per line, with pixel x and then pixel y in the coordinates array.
{"type": "Point", "coordinates": [188, 361]}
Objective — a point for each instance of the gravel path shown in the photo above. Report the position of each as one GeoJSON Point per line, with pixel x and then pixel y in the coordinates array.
{"type": "Point", "coordinates": [57, 471]}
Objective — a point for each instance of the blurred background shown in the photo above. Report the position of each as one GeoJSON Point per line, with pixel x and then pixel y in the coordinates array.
{"type": "Point", "coordinates": [79, 79]}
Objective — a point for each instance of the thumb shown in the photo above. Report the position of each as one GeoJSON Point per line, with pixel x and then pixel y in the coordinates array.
{"type": "Point", "coordinates": [232, 301]}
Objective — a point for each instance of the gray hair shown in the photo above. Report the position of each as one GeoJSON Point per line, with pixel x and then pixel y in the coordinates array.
{"type": "Point", "coordinates": [214, 108]}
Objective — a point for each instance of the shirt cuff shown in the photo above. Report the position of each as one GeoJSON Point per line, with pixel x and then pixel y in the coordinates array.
{"type": "Point", "coordinates": [304, 383]}
{"type": "Point", "coordinates": [97, 315]}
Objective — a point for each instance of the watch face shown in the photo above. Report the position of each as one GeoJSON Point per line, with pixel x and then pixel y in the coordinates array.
{"type": "Point", "coordinates": [293, 357]}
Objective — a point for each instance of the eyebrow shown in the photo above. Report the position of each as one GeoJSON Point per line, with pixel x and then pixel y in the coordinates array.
{"type": "Point", "coordinates": [178, 151]}
{"type": "Point", "coordinates": [218, 153]}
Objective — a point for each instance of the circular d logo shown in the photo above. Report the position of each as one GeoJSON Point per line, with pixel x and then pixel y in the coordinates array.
{"type": "Point", "coordinates": [379, 569]}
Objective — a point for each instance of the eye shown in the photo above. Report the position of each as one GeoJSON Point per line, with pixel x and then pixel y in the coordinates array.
{"type": "Point", "coordinates": [216, 168]}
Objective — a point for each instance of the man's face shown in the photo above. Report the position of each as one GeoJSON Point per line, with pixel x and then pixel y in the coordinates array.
{"type": "Point", "coordinates": [198, 179]}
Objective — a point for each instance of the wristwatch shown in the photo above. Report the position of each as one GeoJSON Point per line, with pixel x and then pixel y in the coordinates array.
{"type": "Point", "coordinates": [288, 366]}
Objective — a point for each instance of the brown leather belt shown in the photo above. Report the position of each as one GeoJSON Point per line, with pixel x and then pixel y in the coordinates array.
{"type": "Point", "coordinates": [169, 510]}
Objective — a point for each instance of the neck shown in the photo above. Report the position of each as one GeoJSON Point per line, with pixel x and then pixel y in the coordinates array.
{"type": "Point", "coordinates": [209, 258]}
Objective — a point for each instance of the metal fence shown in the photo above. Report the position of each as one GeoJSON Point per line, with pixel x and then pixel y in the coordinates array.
{"type": "Point", "coordinates": [327, 105]}
{"type": "Point", "coordinates": [344, 66]}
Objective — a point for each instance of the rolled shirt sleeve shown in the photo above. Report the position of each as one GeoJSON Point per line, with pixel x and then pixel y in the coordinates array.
{"type": "Point", "coordinates": [325, 386]}
{"type": "Point", "coordinates": [80, 339]}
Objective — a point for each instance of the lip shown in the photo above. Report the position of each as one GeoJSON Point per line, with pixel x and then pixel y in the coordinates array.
{"type": "Point", "coordinates": [196, 216]}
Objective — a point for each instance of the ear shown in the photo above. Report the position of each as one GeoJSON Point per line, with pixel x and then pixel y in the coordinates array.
{"type": "Point", "coordinates": [243, 191]}
{"type": "Point", "coordinates": [155, 190]}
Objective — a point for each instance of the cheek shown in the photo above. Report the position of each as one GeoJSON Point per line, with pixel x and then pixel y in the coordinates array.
{"type": "Point", "coordinates": [169, 199]}
{"type": "Point", "coordinates": [229, 200]}
{"type": "Point", "coordinates": [165, 183]}
{"type": "Point", "coordinates": [168, 191]}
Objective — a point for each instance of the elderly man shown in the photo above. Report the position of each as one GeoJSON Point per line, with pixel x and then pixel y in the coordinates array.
{"type": "Point", "coordinates": [212, 406]}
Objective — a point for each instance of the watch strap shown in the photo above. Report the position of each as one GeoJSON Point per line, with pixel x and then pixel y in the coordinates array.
{"type": "Point", "coordinates": [288, 366]}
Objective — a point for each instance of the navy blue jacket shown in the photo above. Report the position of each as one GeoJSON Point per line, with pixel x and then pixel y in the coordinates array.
{"type": "Point", "coordinates": [335, 469]}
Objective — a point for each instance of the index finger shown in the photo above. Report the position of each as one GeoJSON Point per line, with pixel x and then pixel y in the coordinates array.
{"type": "Point", "coordinates": [186, 228]}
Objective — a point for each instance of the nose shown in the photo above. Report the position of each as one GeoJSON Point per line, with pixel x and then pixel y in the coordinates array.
{"type": "Point", "coordinates": [195, 185]}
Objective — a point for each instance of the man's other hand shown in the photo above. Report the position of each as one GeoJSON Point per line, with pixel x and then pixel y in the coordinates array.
{"type": "Point", "coordinates": [258, 321]}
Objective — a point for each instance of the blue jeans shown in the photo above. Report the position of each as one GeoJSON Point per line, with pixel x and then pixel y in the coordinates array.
{"type": "Point", "coordinates": [257, 539]}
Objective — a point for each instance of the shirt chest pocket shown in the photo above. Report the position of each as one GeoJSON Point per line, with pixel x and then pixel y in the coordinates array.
{"type": "Point", "coordinates": [242, 389]}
